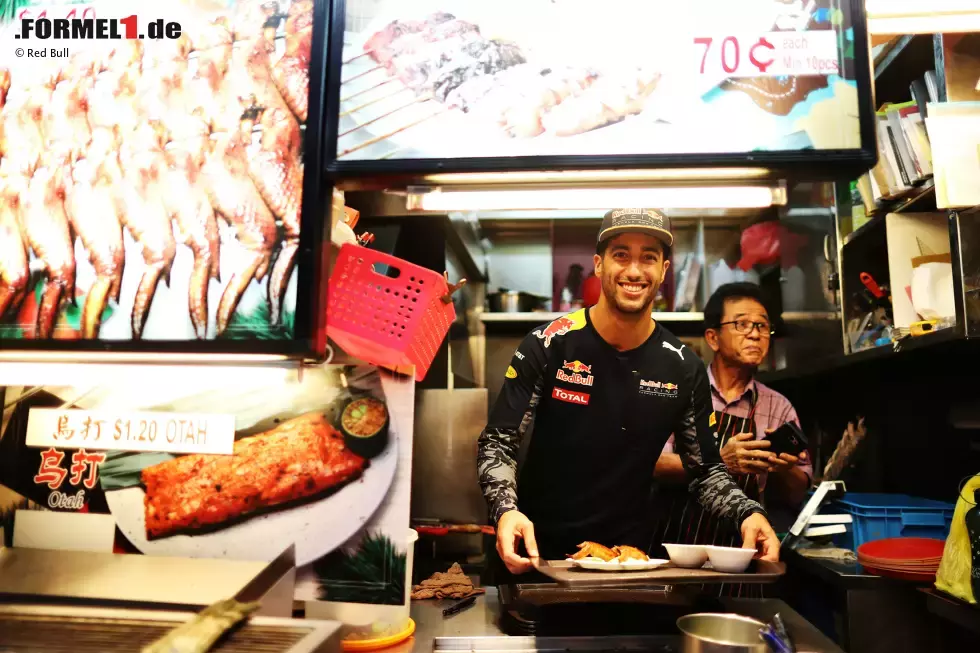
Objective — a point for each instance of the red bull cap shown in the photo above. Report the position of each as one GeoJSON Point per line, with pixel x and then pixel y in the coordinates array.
{"type": "Point", "coordinates": [650, 221]}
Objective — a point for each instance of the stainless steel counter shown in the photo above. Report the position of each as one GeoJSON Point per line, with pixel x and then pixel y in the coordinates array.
{"type": "Point", "coordinates": [479, 622]}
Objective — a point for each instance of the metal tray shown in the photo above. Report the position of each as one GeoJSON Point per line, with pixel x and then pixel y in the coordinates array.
{"type": "Point", "coordinates": [565, 573]}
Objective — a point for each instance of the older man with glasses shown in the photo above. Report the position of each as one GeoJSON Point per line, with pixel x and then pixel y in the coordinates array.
{"type": "Point", "coordinates": [738, 330]}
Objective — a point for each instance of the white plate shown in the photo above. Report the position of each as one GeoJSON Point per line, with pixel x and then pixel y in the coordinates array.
{"type": "Point", "coordinates": [594, 564]}
{"type": "Point", "coordinates": [316, 528]}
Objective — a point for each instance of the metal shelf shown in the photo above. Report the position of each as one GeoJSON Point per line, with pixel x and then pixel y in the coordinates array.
{"type": "Point", "coordinates": [835, 363]}
{"type": "Point", "coordinates": [540, 317]}
{"type": "Point", "coordinates": [891, 54]}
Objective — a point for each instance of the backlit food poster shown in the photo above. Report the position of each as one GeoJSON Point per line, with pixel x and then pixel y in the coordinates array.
{"type": "Point", "coordinates": [468, 78]}
{"type": "Point", "coordinates": [323, 462]}
{"type": "Point", "coordinates": [151, 169]}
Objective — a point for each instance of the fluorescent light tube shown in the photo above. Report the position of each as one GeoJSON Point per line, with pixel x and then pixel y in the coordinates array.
{"type": "Point", "coordinates": [682, 197]}
{"type": "Point", "coordinates": [86, 375]}
{"type": "Point", "coordinates": [922, 16]}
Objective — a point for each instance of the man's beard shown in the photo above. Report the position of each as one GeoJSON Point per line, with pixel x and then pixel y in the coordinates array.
{"type": "Point", "coordinates": [610, 290]}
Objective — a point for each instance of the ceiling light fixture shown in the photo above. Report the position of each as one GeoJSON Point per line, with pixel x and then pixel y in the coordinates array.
{"type": "Point", "coordinates": [597, 176]}
{"type": "Point", "coordinates": [665, 197]}
{"type": "Point", "coordinates": [922, 16]}
{"type": "Point", "coordinates": [182, 376]}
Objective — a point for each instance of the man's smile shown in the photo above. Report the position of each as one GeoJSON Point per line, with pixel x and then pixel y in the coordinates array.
{"type": "Point", "coordinates": [634, 287]}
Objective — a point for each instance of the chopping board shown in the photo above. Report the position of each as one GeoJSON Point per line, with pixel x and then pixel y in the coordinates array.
{"type": "Point", "coordinates": [564, 573]}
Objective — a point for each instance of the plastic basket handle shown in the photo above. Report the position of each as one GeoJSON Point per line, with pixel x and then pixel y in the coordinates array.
{"type": "Point", "coordinates": [391, 268]}
{"type": "Point", "coordinates": [923, 519]}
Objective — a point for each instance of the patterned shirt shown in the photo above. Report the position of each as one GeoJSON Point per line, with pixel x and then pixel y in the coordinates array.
{"type": "Point", "coordinates": [601, 418]}
{"type": "Point", "coordinates": [772, 410]}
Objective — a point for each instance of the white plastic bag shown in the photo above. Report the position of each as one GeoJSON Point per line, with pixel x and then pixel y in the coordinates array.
{"type": "Point", "coordinates": [932, 291]}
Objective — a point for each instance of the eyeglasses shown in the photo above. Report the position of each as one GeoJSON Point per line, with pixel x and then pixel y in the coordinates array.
{"type": "Point", "coordinates": [745, 327]}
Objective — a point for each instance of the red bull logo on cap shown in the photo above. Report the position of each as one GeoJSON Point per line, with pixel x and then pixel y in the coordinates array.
{"type": "Point", "coordinates": [581, 373]}
{"type": "Point", "coordinates": [561, 326]}
{"type": "Point", "coordinates": [658, 388]}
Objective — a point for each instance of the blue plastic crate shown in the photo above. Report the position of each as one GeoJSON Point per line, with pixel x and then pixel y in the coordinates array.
{"type": "Point", "coordinates": [880, 516]}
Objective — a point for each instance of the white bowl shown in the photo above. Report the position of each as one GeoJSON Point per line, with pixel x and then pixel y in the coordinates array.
{"type": "Point", "coordinates": [689, 556]}
{"type": "Point", "coordinates": [730, 559]}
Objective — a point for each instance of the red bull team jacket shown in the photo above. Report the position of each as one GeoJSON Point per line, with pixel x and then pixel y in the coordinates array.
{"type": "Point", "coordinates": [600, 419]}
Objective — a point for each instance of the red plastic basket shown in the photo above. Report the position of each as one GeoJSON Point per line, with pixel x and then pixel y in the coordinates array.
{"type": "Point", "coordinates": [391, 320]}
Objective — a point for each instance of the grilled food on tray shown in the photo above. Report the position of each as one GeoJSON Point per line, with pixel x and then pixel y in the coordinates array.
{"type": "Point", "coordinates": [138, 139]}
{"type": "Point", "coordinates": [630, 553]}
{"type": "Point", "coordinates": [593, 550]}
{"type": "Point", "coordinates": [298, 460]}
{"type": "Point", "coordinates": [620, 553]}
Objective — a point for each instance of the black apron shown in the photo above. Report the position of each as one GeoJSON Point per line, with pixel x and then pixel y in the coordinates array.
{"type": "Point", "coordinates": [679, 518]}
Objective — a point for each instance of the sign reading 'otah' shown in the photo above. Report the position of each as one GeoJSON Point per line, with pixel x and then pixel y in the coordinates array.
{"type": "Point", "coordinates": [84, 471]}
{"type": "Point", "coordinates": [102, 430]}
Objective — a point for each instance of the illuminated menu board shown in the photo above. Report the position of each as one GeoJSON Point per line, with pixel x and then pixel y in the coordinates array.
{"type": "Point", "coordinates": [453, 80]}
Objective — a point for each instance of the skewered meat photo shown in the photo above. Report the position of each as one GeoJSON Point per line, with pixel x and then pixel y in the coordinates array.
{"type": "Point", "coordinates": [447, 79]}
{"type": "Point", "coordinates": [152, 189]}
{"type": "Point", "coordinates": [413, 70]}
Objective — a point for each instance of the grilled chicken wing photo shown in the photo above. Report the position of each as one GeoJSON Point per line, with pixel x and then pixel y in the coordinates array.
{"type": "Point", "coordinates": [44, 223]}
{"type": "Point", "coordinates": [291, 73]}
{"type": "Point", "coordinates": [141, 149]}
{"type": "Point", "coordinates": [275, 169]}
{"type": "Point", "coordinates": [14, 270]}
{"type": "Point", "coordinates": [235, 198]}
{"type": "Point", "coordinates": [91, 207]}
{"type": "Point", "coordinates": [143, 212]}
{"type": "Point", "coordinates": [187, 201]}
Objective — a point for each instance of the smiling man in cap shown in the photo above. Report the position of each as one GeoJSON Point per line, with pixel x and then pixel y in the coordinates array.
{"type": "Point", "coordinates": [605, 388]}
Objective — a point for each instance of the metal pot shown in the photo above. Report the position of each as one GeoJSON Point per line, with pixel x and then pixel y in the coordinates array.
{"type": "Point", "coordinates": [513, 301]}
{"type": "Point", "coordinates": [721, 633]}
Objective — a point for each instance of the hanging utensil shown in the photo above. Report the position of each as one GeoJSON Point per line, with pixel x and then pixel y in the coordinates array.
{"type": "Point", "coordinates": [451, 288]}
{"type": "Point", "coordinates": [872, 285]}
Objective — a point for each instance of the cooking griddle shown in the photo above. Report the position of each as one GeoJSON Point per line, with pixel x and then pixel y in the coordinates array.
{"type": "Point", "coordinates": [44, 629]}
{"type": "Point", "coordinates": [563, 572]}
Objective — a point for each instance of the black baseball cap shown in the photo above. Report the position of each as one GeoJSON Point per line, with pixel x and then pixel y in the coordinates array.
{"type": "Point", "coordinates": [649, 221]}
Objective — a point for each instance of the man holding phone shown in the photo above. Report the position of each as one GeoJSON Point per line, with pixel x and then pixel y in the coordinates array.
{"type": "Point", "coordinates": [746, 413]}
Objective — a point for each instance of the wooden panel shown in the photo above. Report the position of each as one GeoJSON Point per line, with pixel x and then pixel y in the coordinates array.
{"type": "Point", "coordinates": [961, 56]}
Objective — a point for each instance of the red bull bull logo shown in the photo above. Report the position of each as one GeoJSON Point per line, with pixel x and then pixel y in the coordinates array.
{"type": "Point", "coordinates": [658, 388]}
{"type": "Point", "coordinates": [578, 367]}
{"type": "Point", "coordinates": [561, 326]}
{"type": "Point", "coordinates": [580, 373]}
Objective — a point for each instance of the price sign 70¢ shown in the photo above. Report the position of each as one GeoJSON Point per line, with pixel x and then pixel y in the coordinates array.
{"type": "Point", "coordinates": [772, 54]}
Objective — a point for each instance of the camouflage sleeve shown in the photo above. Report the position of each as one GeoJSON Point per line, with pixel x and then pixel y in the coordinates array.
{"type": "Point", "coordinates": [710, 483]}
{"type": "Point", "coordinates": [509, 420]}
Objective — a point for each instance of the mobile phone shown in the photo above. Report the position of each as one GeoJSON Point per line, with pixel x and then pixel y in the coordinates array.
{"type": "Point", "coordinates": [788, 438]}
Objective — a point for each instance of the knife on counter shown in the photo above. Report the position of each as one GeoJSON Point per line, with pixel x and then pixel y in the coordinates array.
{"type": "Point", "coordinates": [460, 606]}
